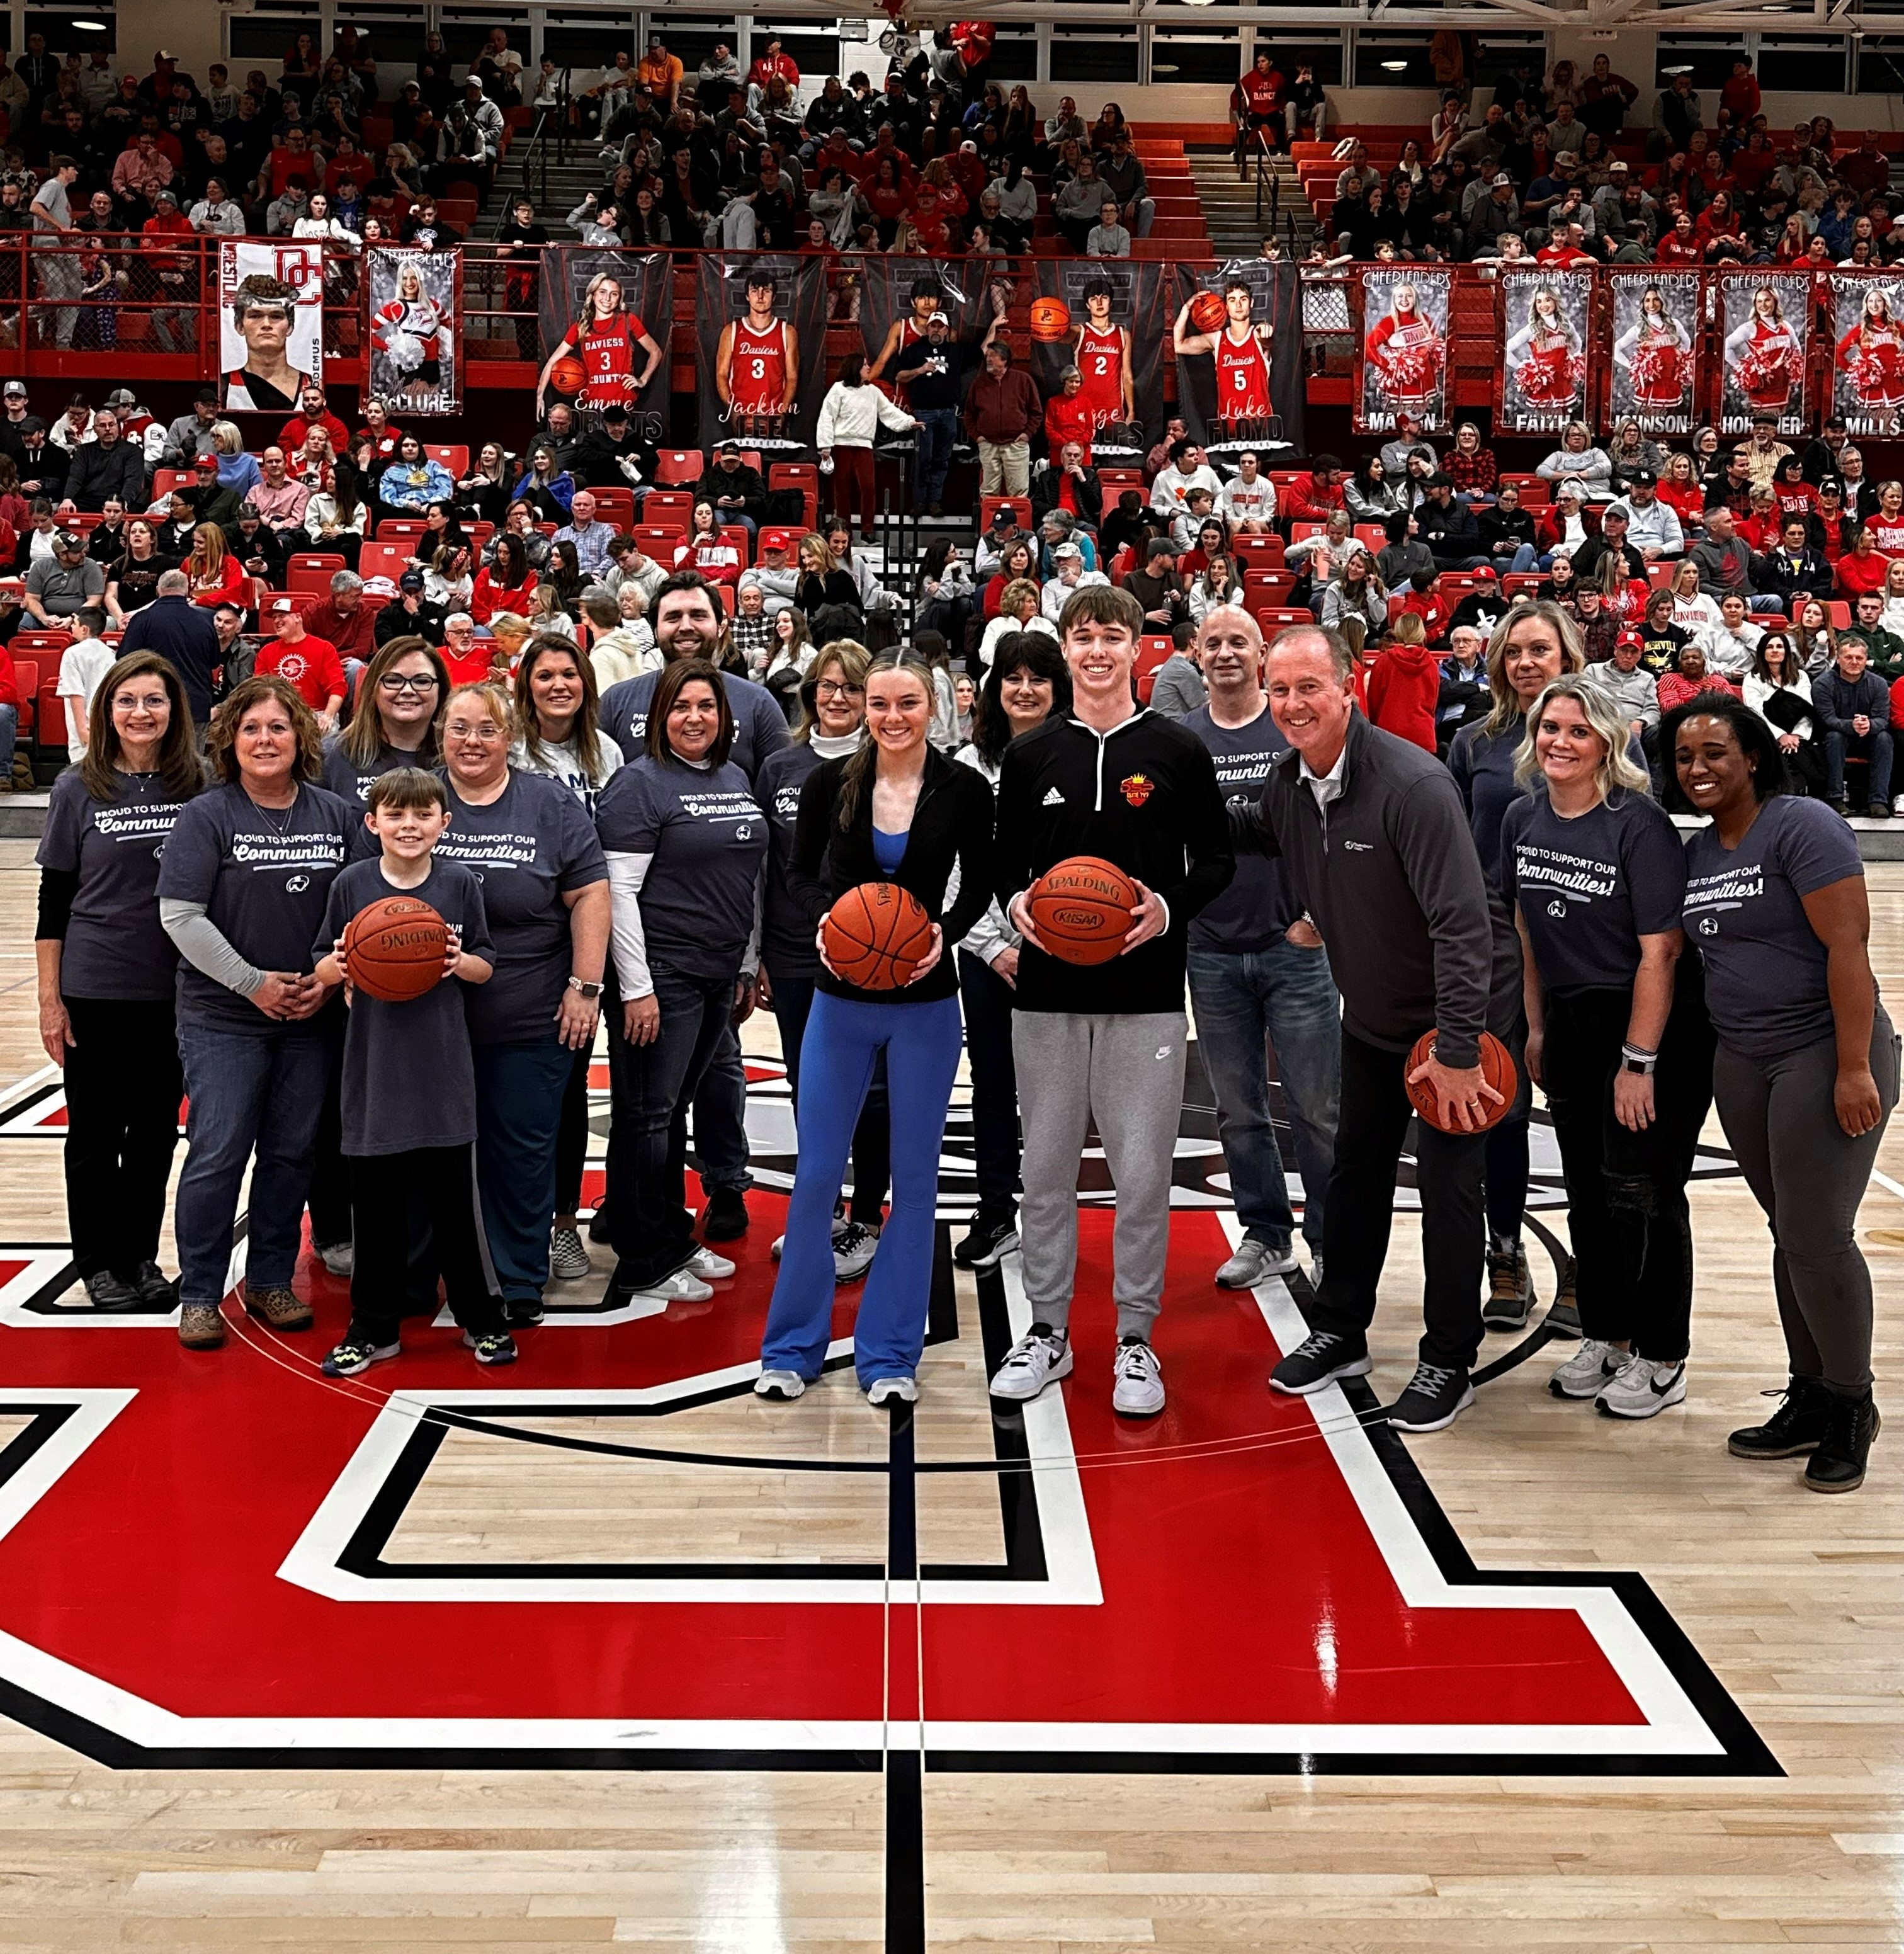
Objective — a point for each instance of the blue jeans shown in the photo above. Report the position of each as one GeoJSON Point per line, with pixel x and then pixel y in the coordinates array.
{"type": "Point", "coordinates": [520, 1089]}
{"type": "Point", "coordinates": [1873, 747]}
{"type": "Point", "coordinates": [939, 428]}
{"type": "Point", "coordinates": [1525, 560]}
{"type": "Point", "coordinates": [922, 1044]}
{"type": "Point", "coordinates": [1244, 1001]}
{"type": "Point", "coordinates": [9, 736]}
{"type": "Point", "coordinates": [1766, 603]}
{"type": "Point", "coordinates": [261, 1089]}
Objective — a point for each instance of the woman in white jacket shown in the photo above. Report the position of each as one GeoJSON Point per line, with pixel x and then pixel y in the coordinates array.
{"type": "Point", "coordinates": [849, 417]}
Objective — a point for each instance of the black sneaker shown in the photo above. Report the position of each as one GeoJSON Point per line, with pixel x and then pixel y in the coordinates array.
{"type": "Point", "coordinates": [522, 1312]}
{"type": "Point", "coordinates": [1792, 1430]}
{"type": "Point", "coordinates": [1838, 1464]}
{"type": "Point", "coordinates": [724, 1219]}
{"type": "Point", "coordinates": [356, 1355]}
{"type": "Point", "coordinates": [1510, 1289]}
{"type": "Point", "coordinates": [493, 1347]}
{"type": "Point", "coordinates": [157, 1290]}
{"type": "Point", "coordinates": [106, 1291]}
{"type": "Point", "coordinates": [1319, 1359]}
{"type": "Point", "coordinates": [1436, 1396]}
{"type": "Point", "coordinates": [990, 1237]}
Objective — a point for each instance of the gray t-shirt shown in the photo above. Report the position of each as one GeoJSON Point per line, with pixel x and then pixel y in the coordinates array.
{"type": "Point", "coordinates": [409, 1080]}
{"type": "Point", "coordinates": [1257, 909]}
{"type": "Point", "coordinates": [1590, 888]}
{"type": "Point", "coordinates": [350, 781]}
{"type": "Point", "coordinates": [115, 946]}
{"type": "Point", "coordinates": [1765, 966]}
{"type": "Point", "coordinates": [759, 726]}
{"type": "Point", "coordinates": [708, 838]}
{"type": "Point", "coordinates": [62, 589]}
{"type": "Point", "coordinates": [527, 848]}
{"type": "Point", "coordinates": [263, 875]}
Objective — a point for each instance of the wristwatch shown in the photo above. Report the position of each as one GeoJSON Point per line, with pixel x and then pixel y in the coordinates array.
{"type": "Point", "coordinates": [1634, 1060]}
{"type": "Point", "coordinates": [591, 991]}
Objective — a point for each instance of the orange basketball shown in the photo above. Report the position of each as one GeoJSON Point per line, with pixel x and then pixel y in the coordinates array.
{"type": "Point", "coordinates": [568, 375]}
{"type": "Point", "coordinates": [1081, 910]}
{"type": "Point", "coordinates": [1496, 1068]}
{"type": "Point", "coordinates": [394, 949]}
{"type": "Point", "coordinates": [1051, 319]}
{"type": "Point", "coordinates": [1207, 311]}
{"type": "Point", "coordinates": [876, 934]}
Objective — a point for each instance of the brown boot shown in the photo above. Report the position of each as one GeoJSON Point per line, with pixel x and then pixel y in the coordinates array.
{"type": "Point", "coordinates": [201, 1327]}
{"type": "Point", "coordinates": [277, 1308]}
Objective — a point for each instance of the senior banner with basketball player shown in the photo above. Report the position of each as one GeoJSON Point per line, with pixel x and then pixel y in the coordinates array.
{"type": "Point", "coordinates": [1867, 351]}
{"type": "Point", "coordinates": [271, 323]}
{"type": "Point", "coordinates": [1765, 327]}
{"type": "Point", "coordinates": [898, 295]}
{"type": "Point", "coordinates": [760, 336]}
{"type": "Point", "coordinates": [1546, 316]}
{"type": "Point", "coordinates": [1238, 335]}
{"type": "Point", "coordinates": [609, 315]}
{"type": "Point", "coordinates": [1653, 376]}
{"type": "Point", "coordinates": [1110, 328]}
{"type": "Point", "coordinates": [1402, 356]}
{"type": "Point", "coordinates": [414, 301]}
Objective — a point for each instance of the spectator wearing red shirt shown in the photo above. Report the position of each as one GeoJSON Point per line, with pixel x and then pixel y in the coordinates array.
{"type": "Point", "coordinates": [313, 412]}
{"type": "Point", "coordinates": [1312, 498]}
{"type": "Point", "coordinates": [1680, 246]}
{"type": "Point", "coordinates": [1404, 684]}
{"type": "Point", "coordinates": [1470, 466]}
{"type": "Point", "coordinates": [344, 619]}
{"type": "Point", "coordinates": [773, 66]}
{"type": "Point", "coordinates": [1861, 568]}
{"type": "Point", "coordinates": [310, 664]}
{"type": "Point", "coordinates": [1740, 94]}
{"type": "Point", "coordinates": [1692, 678]}
{"type": "Point", "coordinates": [1069, 416]}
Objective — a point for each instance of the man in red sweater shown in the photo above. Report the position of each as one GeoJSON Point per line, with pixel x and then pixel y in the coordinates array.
{"type": "Point", "coordinates": [1311, 497]}
{"type": "Point", "coordinates": [310, 664]}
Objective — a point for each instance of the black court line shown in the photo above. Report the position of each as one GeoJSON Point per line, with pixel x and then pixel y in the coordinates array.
{"type": "Point", "coordinates": [905, 1779]}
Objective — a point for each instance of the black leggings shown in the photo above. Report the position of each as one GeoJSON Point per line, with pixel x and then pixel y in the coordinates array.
{"type": "Point", "coordinates": [1626, 1205]}
{"type": "Point", "coordinates": [382, 1186]}
{"type": "Point", "coordinates": [123, 1082]}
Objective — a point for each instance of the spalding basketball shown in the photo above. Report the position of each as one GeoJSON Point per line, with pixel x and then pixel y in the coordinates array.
{"type": "Point", "coordinates": [1081, 910]}
{"type": "Point", "coordinates": [1207, 311]}
{"type": "Point", "coordinates": [1051, 319]}
{"type": "Point", "coordinates": [876, 934]}
{"type": "Point", "coordinates": [568, 375]}
{"type": "Point", "coordinates": [1496, 1068]}
{"type": "Point", "coordinates": [394, 949]}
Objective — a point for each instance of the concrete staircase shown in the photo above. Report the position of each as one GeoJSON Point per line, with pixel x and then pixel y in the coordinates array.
{"type": "Point", "coordinates": [1230, 203]}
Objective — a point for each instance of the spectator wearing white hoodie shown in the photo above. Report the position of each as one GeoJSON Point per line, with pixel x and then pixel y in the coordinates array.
{"type": "Point", "coordinates": [851, 415]}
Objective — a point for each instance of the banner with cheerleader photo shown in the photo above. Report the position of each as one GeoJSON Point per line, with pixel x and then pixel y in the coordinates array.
{"type": "Point", "coordinates": [1765, 327]}
{"type": "Point", "coordinates": [415, 300]}
{"type": "Point", "coordinates": [1545, 316]}
{"type": "Point", "coordinates": [1867, 354]}
{"type": "Point", "coordinates": [1654, 375]}
{"type": "Point", "coordinates": [1402, 367]}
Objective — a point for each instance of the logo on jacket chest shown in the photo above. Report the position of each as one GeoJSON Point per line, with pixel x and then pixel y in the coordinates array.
{"type": "Point", "coordinates": [1136, 788]}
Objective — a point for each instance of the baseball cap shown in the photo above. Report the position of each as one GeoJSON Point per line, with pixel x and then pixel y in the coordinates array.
{"type": "Point", "coordinates": [207, 392]}
{"type": "Point", "coordinates": [205, 461]}
{"type": "Point", "coordinates": [69, 539]}
{"type": "Point", "coordinates": [776, 539]}
{"type": "Point", "coordinates": [122, 396]}
{"type": "Point", "coordinates": [1632, 638]}
{"type": "Point", "coordinates": [1503, 178]}
{"type": "Point", "coordinates": [1066, 549]}
{"type": "Point", "coordinates": [411, 580]}
{"type": "Point", "coordinates": [1616, 170]}
{"type": "Point", "coordinates": [16, 390]}
{"type": "Point", "coordinates": [283, 607]}
{"type": "Point", "coordinates": [1642, 478]}
{"type": "Point", "coordinates": [1830, 484]}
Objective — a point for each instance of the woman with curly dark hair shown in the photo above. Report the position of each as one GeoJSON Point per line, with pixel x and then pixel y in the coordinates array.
{"type": "Point", "coordinates": [246, 872]}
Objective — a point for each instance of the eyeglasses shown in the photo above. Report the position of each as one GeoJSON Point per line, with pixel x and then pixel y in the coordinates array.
{"type": "Point", "coordinates": [835, 688]}
{"type": "Point", "coordinates": [485, 732]}
{"type": "Point", "coordinates": [410, 682]}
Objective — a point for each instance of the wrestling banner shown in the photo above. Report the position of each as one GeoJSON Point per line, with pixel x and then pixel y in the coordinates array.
{"type": "Point", "coordinates": [271, 323]}
{"type": "Point", "coordinates": [1867, 351]}
{"type": "Point", "coordinates": [1402, 364]}
{"type": "Point", "coordinates": [760, 338]}
{"type": "Point", "coordinates": [415, 303]}
{"type": "Point", "coordinates": [598, 347]}
{"type": "Point", "coordinates": [1765, 322]}
{"type": "Point", "coordinates": [1653, 374]}
{"type": "Point", "coordinates": [1238, 336]}
{"type": "Point", "coordinates": [1544, 316]}
{"type": "Point", "coordinates": [1105, 317]}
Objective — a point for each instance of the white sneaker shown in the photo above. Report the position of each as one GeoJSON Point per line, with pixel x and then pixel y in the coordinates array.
{"type": "Point", "coordinates": [709, 1267]}
{"type": "Point", "coordinates": [683, 1285]}
{"type": "Point", "coordinates": [853, 1248]}
{"type": "Point", "coordinates": [785, 1384]}
{"type": "Point", "coordinates": [1589, 1370]}
{"type": "Point", "coordinates": [1138, 1392]}
{"type": "Point", "coordinates": [1643, 1389]}
{"type": "Point", "coordinates": [1315, 1273]}
{"type": "Point", "coordinates": [881, 1389]}
{"type": "Point", "coordinates": [568, 1254]}
{"type": "Point", "coordinates": [780, 1242]}
{"type": "Point", "coordinates": [340, 1258]}
{"type": "Point", "coordinates": [1032, 1362]}
{"type": "Point", "coordinates": [1254, 1261]}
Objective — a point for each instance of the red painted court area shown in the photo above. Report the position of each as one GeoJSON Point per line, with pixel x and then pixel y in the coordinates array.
{"type": "Point", "coordinates": [1241, 1582]}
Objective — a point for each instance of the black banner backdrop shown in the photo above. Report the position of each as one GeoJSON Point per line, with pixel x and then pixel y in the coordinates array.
{"type": "Point", "coordinates": [1653, 376]}
{"type": "Point", "coordinates": [1402, 353]}
{"type": "Point", "coordinates": [1764, 326]}
{"type": "Point", "coordinates": [1546, 317]}
{"type": "Point", "coordinates": [886, 289]}
{"type": "Point", "coordinates": [799, 309]}
{"type": "Point", "coordinates": [1276, 298]}
{"type": "Point", "coordinates": [1867, 351]}
{"type": "Point", "coordinates": [1137, 305]}
{"type": "Point", "coordinates": [646, 279]}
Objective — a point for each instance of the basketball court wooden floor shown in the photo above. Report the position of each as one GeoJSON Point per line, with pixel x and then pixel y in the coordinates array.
{"type": "Point", "coordinates": [601, 1649]}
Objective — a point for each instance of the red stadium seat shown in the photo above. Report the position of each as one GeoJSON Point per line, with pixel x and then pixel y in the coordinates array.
{"type": "Point", "coordinates": [383, 559]}
{"type": "Point", "coordinates": [1525, 582]}
{"type": "Point", "coordinates": [1255, 552]}
{"type": "Point", "coordinates": [1272, 620]}
{"type": "Point", "coordinates": [1020, 507]}
{"type": "Point", "coordinates": [614, 506]}
{"type": "Point", "coordinates": [1266, 586]}
{"type": "Point", "coordinates": [1373, 534]}
{"type": "Point", "coordinates": [391, 527]}
{"type": "Point", "coordinates": [26, 671]}
{"type": "Point", "coordinates": [1302, 531]}
{"type": "Point", "coordinates": [1152, 650]}
{"type": "Point", "coordinates": [313, 572]}
{"type": "Point", "coordinates": [657, 537]}
{"type": "Point", "coordinates": [455, 455]}
{"type": "Point", "coordinates": [732, 532]}
{"type": "Point", "coordinates": [667, 509]}
{"type": "Point", "coordinates": [676, 465]}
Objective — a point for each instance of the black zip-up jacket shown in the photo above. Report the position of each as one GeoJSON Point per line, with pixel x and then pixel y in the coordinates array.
{"type": "Point", "coordinates": [1144, 796]}
{"type": "Point", "coordinates": [1391, 879]}
{"type": "Point", "coordinates": [952, 824]}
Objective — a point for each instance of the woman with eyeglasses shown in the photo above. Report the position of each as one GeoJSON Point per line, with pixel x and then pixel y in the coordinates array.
{"type": "Point", "coordinates": [832, 723]}
{"type": "Point", "coordinates": [399, 695]}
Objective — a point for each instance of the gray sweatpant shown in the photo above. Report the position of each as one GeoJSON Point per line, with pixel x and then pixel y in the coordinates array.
{"type": "Point", "coordinates": [1809, 1175]}
{"type": "Point", "coordinates": [1126, 1070]}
